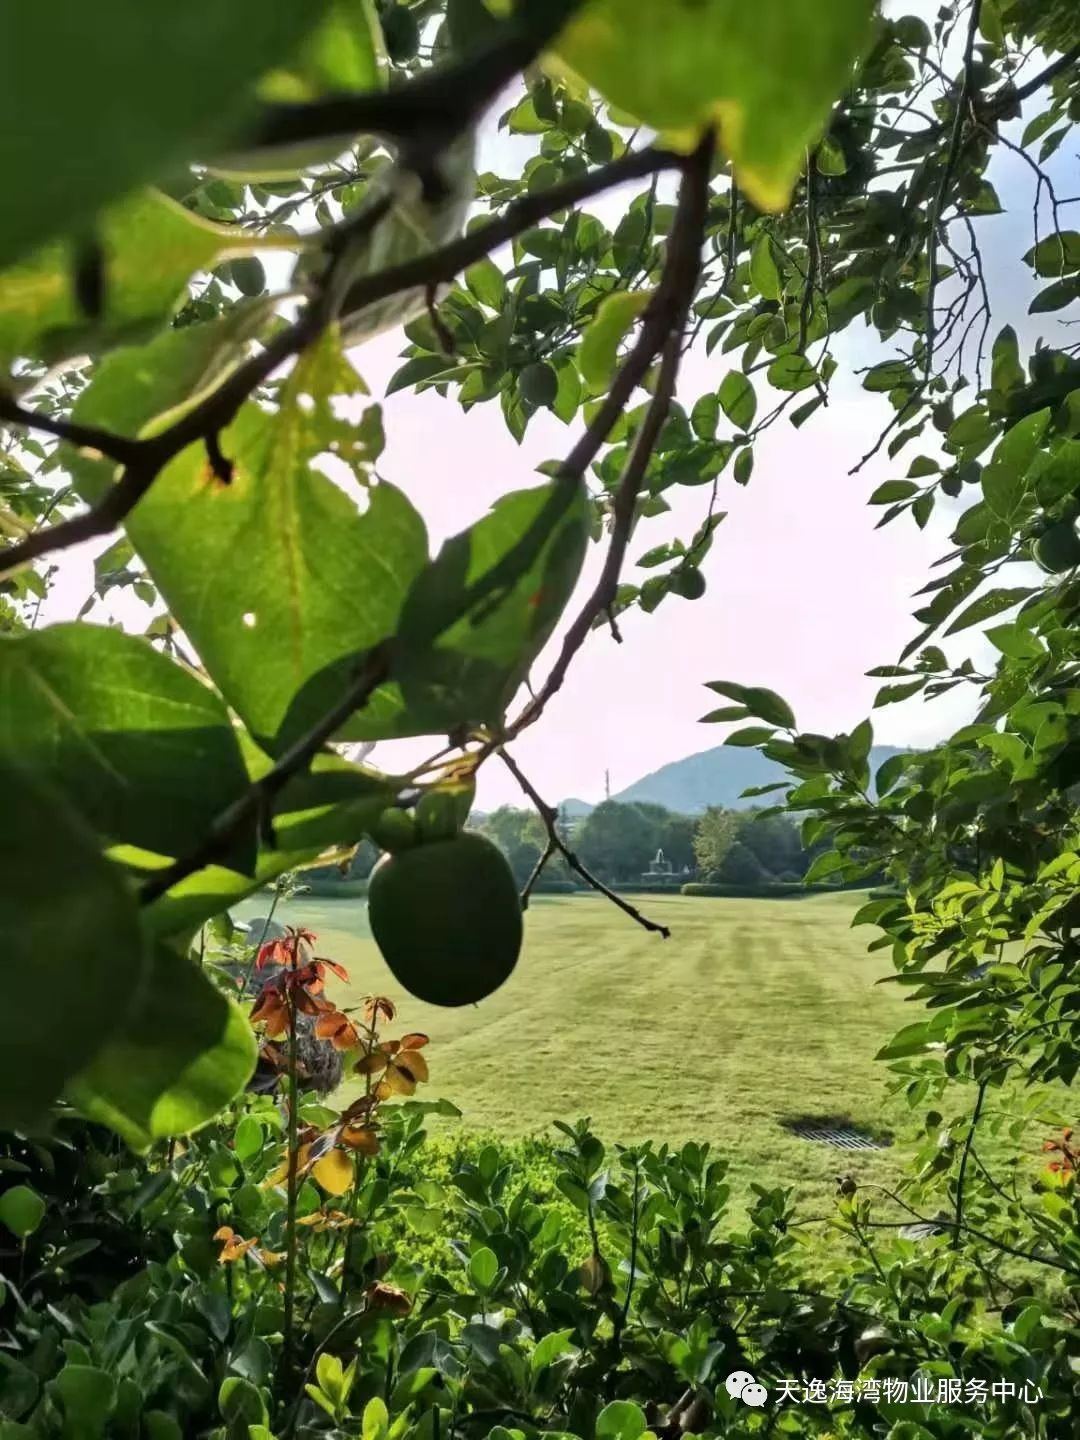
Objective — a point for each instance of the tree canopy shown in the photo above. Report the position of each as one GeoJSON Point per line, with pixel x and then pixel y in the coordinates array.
{"type": "Point", "coordinates": [213, 207]}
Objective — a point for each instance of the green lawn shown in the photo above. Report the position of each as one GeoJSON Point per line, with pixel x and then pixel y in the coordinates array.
{"type": "Point", "coordinates": [754, 1012]}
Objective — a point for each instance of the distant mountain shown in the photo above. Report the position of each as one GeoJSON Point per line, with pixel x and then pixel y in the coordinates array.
{"type": "Point", "coordinates": [575, 809]}
{"type": "Point", "coordinates": [718, 777]}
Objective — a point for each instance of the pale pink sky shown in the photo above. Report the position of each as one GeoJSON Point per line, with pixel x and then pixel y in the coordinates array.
{"type": "Point", "coordinates": [804, 595]}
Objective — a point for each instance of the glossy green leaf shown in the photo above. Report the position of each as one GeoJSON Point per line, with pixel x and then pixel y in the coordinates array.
{"type": "Point", "coordinates": [738, 400]}
{"type": "Point", "coordinates": [599, 349]}
{"type": "Point", "coordinates": [73, 952]}
{"type": "Point", "coordinates": [620, 1420]}
{"type": "Point", "coordinates": [994, 602]}
{"type": "Point", "coordinates": [751, 735]}
{"type": "Point", "coordinates": [107, 96]}
{"type": "Point", "coordinates": [278, 574]}
{"type": "Point", "coordinates": [214, 889]}
{"type": "Point", "coordinates": [892, 490]}
{"type": "Point", "coordinates": [485, 281]}
{"type": "Point", "coordinates": [483, 1268]}
{"type": "Point", "coordinates": [86, 1395]}
{"type": "Point", "coordinates": [791, 373]}
{"type": "Point", "coordinates": [766, 73]}
{"type": "Point", "coordinates": [1056, 255]}
{"type": "Point", "coordinates": [761, 703]}
{"type": "Point", "coordinates": [889, 375]}
{"type": "Point", "coordinates": [1056, 297]}
{"type": "Point", "coordinates": [40, 316]}
{"type": "Point", "coordinates": [21, 1210]}
{"type": "Point", "coordinates": [508, 578]}
{"type": "Point", "coordinates": [764, 275]}
{"type": "Point", "coordinates": [344, 52]}
{"type": "Point", "coordinates": [142, 749]}
{"type": "Point", "coordinates": [182, 1054]}
{"type": "Point", "coordinates": [705, 416]}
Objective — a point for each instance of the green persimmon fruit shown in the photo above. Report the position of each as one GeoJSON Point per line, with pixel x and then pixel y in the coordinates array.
{"type": "Point", "coordinates": [690, 584]}
{"type": "Point", "coordinates": [1057, 548]}
{"type": "Point", "coordinates": [447, 919]}
{"type": "Point", "coordinates": [539, 384]}
{"type": "Point", "coordinates": [248, 275]}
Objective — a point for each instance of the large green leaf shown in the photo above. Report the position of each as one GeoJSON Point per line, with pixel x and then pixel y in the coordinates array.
{"type": "Point", "coordinates": [73, 951]}
{"type": "Point", "coordinates": [141, 748]}
{"type": "Point", "coordinates": [766, 72]}
{"type": "Point", "coordinates": [473, 622]}
{"type": "Point", "coordinates": [208, 892]}
{"type": "Point", "coordinates": [95, 99]}
{"type": "Point", "coordinates": [509, 578]}
{"type": "Point", "coordinates": [184, 1051]}
{"type": "Point", "coordinates": [599, 349]}
{"type": "Point", "coordinates": [135, 385]}
{"type": "Point", "coordinates": [150, 248]}
{"type": "Point", "coordinates": [278, 574]}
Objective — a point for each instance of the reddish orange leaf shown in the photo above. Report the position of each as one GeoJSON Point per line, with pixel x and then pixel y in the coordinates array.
{"type": "Point", "coordinates": [361, 1138]}
{"type": "Point", "coordinates": [333, 967]}
{"type": "Point", "coordinates": [415, 1040]}
{"type": "Point", "coordinates": [389, 1299]}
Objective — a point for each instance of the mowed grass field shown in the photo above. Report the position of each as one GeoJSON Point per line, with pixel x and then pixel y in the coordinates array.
{"type": "Point", "coordinates": [753, 1013]}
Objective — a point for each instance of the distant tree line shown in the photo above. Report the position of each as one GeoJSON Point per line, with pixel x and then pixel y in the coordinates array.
{"type": "Point", "coordinates": [619, 843]}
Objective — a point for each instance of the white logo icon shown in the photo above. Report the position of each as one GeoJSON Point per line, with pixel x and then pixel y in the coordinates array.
{"type": "Point", "coordinates": [741, 1385]}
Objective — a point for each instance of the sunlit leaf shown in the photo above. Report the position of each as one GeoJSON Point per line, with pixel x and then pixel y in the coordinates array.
{"type": "Point", "coordinates": [133, 385]}
{"type": "Point", "coordinates": [40, 316]}
{"type": "Point", "coordinates": [598, 353]}
{"type": "Point", "coordinates": [278, 574]}
{"type": "Point", "coordinates": [766, 73]}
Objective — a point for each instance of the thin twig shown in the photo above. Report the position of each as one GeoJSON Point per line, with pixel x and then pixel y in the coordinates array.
{"type": "Point", "coordinates": [1045, 77]}
{"type": "Point", "coordinates": [549, 815]}
{"type": "Point", "coordinates": [288, 1339]}
{"type": "Point", "coordinates": [969, 1140]}
{"type": "Point", "coordinates": [537, 871]}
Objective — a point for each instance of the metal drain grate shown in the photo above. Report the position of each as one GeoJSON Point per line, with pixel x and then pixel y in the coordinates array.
{"type": "Point", "coordinates": [841, 1135]}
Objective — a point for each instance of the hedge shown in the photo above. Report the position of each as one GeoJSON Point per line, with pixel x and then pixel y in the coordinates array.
{"type": "Point", "coordinates": [776, 890]}
{"type": "Point", "coordinates": [325, 889]}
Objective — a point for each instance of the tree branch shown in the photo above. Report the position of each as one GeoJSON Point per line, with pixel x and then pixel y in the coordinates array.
{"type": "Point", "coordinates": [437, 105]}
{"type": "Point", "coordinates": [116, 447]}
{"type": "Point", "coordinates": [255, 804]}
{"type": "Point", "coordinates": [662, 329]}
{"type": "Point", "coordinates": [1045, 77]}
{"type": "Point", "coordinates": [144, 459]}
{"type": "Point", "coordinates": [549, 815]}
{"type": "Point", "coordinates": [376, 667]}
{"type": "Point", "coordinates": [942, 193]}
